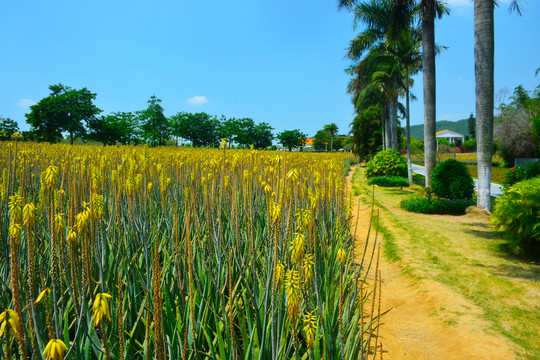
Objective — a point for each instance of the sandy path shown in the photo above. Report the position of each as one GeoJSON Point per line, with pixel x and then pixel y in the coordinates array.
{"type": "Point", "coordinates": [415, 328]}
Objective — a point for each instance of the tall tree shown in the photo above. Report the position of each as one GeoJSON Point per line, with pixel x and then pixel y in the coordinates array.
{"type": "Point", "coordinates": [7, 127]}
{"type": "Point", "coordinates": [471, 123]}
{"type": "Point", "coordinates": [292, 139]}
{"type": "Point", "coordinates": [484, 50]}
{"type": "Point", "coordinates": [332, 130]}
{"type": "Point", "coordinates": [154, 125]}
{"type": "Point", "coordinates": [64, 110]}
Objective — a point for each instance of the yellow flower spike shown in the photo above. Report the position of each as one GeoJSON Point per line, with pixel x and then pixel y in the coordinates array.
{"type": "Point", "coordinates": [10, 317]}
{"type": "Point", "coordinates": [310, 328]}
{"type": "Point", "coordinates": [82, 221]}
{"type": "Point", "coordinates": [51, 176]}
{"type": "Point", "coordinates": [59, 223]}
{"type": "Point", "coordinates": [72, 236]}
{"type": "Point", "coordinates": [280, 273]}
{"type": "Point", "coordinates": [297, 247]}
{"type": "Point", "coordinates": [308, 267]}
{"type": "Point", "coordinates": [292, 289]}
{"type": "Point", "coordinates": [42, 295]}
{"type": "Point", "coordinates": [101, 308]}
{"type": "Point", "coordinates": [29, 214]}
{"type": "Point", "coordinates": [149, 187]}
{"type": "Point", "coordinates": [223, 143]}
{"type": "Point", "coordinates": [55, 350]}
{"type": "Point", "coordinates": [341, 256]}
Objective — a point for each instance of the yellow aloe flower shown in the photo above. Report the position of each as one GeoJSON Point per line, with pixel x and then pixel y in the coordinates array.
{"type": "Point", "coordinates": [297, 248]}
{"type": "Point", "coordinates": [341, 256]}
{"type": "Point", "coordinates": [41, 295]}
{"type": "Point", "coordinates": [10, 317]}
{"type": "Point", "coordinates": [308, 267]}
{"type": "Point", "coordinates": [280, 273]}
{"type": "Point", "coordinates": [101, 308]}
{"type": "Point", "coordinates": [55, 350]}
{"type": "Point", "coordinates": [310, 327]}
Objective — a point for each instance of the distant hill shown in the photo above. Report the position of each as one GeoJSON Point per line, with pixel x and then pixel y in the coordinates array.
{"type": "Point", "coordinates": [460, 126]}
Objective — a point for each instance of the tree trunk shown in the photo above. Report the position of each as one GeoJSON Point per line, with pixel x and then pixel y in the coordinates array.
{"type": "Point", "coordinates": [428, 60]}
{"type": "Point", "coordinates": [393, 123]}
{"type": "Point", "coordinates": [484, 45]}
{"type": "Point", "coordinates": [71, 136]}
{"type": "Point", "coordinates": [408, 125]}
{"type": "Point", "coordinates": [387, 130]}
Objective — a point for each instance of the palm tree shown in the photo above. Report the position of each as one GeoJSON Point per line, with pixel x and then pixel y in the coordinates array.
{"type": "Point", "coordinates": [331, 129]}
{"type": "Point", "coordinates": [484, 44]}
{"type": "Point", "coordinates": [385, 20]}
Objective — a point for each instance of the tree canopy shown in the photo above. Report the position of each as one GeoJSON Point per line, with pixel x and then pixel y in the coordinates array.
{"type": "Point", "coordinates": [154, 125]}
{"type": "Point", "coordinates": [64, 110]}
{"type": "Point", "coordinates": [292, 139]}
{"type": "Point", "coordinates": [7, 127]}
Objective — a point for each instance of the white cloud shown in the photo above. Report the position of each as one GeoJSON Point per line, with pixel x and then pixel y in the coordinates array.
{"type": "Point", "coordinates": [197, 100]}
{"type": "Point", "coordinates": [25, 103]}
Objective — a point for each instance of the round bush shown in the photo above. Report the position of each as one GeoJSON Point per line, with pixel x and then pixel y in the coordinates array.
{"type": "Point", "coordinates": [387, 163]}
{"type": "Point", "coordinates": [517, 213]}
{"type": "Point", "coordinates": [451, 180]}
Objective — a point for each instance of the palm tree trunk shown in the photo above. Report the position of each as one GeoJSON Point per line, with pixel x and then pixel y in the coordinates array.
{"type": "Point", "coordinates": [394, 122]}
{"type": "Point", "coordinates": [484, 45]}
{"type": "Point", "coordinates": [408, 125]}
{"type": "Point", "coordinates": [428, 60]}
{"type": "Point", "coordinates": [387, 125]}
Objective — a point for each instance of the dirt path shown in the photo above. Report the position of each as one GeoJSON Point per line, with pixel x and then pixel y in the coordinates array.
{"type": "Point", "coordinates": [416, 327]}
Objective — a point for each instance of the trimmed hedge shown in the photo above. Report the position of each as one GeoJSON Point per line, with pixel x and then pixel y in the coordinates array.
{"type": "Point", "coordinates": [387, 163]}
{"type": "Point", "coordinates": [451, 180]}
{"type": "Point", "coordinates": [427, 205]}
{"type": "Point", "coordinates": [517, 214]}
{"type": "Point", "coordinates": [389, 181]}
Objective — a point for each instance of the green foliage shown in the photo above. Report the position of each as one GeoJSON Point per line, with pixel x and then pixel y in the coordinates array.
{"type": "Point", "coordinates": [366, 131]}
{"type": "Point", "coordinates": [64, 110]}
{"type": "Point", "coordinates": [389, 181]}
{"type": "Point", "coordinates": [154, 125]}
{"type": "Point", "coordinates": [515, 128]}
{"type": "Point", "coordinates": [521, 173]}
{"type": "Point", "coordinates": [387, 163]}
{"type": "Point", "coordinates": [120, 127]}
{"type": "Point", "coordinates": [292, 139]}
{"type": "Point", "coordinates": [321, 141]}
{"type": "Point", "coordinates": [517, 214]}
{"type": "Point", "coordinates": [7, 128]}
{"type": "Point", "coordinates": [451, 180]}
{"type": "Point", "coordinates": [470, 144]}
{"type": "Point", "coordinates": [443, 141]}
{"type": "Point", "coordinates": [244, 132]}
{"type": "Point", "coordinates": [431, 205]}
{"type": "Point", "coordinates": [471, 122]}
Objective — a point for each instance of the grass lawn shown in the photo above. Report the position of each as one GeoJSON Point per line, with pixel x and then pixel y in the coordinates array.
{"type": "Point", "coordinates": [468, 255]}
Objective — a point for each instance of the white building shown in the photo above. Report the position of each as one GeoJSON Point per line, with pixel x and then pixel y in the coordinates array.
{"type": "Point", "coordinates": [452, 136]}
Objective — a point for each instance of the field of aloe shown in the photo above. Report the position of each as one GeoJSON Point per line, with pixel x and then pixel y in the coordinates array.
{"type": "Point", "coordinates": [136, 252]}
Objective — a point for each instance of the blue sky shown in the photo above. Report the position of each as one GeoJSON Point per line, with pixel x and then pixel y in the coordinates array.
{"type": "Point", "coordinates": [277, 61]}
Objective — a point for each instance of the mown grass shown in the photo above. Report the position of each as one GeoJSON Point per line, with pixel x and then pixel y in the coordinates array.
{"type": "Point", "coordinates": [468, 255]}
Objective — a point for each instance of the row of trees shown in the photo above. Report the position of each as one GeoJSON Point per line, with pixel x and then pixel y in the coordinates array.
{"type": "Point", "coordinates": [73, 111]}
{"type": "Point", "coordinates": [394, 32]}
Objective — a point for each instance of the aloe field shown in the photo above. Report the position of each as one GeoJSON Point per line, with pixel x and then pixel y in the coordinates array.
{"type": "Point", "coordinates": [179, 253]}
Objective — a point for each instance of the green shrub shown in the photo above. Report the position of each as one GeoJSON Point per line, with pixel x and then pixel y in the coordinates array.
{"type": "Point", "coordinates": [521, 173]}
{"type": "Point", "coordinates": [387, 163]}
{"type": "Point", "coordinates": [517, 213]}
{"type": "Point", "coordinates": [469, 144]}
{"type": "Point", "coordinates": [451, 180]}
{"type": "Point", "coordinates": [389, 181]}
{"type": "Point", "coordinates": [427, 205]}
